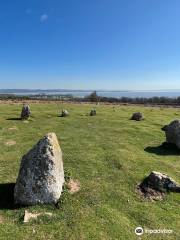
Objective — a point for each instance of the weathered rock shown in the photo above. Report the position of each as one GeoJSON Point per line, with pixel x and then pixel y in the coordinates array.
{"type": "Point", "coordinates": [64, 113]}
{"type": "Point", "coordinates": [41, 174]}
{"type": "Point", "coordinates": [137, 116]}
{"type": "Point", "coordinates": [173, 132]}
{"type": "Point", "coordinates": [160, 182]}
{"type": "Point", "coordinates": [26, 112]}
{"type": "Point", "coordinates": [93, 112]}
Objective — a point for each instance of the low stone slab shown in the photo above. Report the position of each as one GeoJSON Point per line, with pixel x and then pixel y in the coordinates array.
{"type": "Point", "coordinates": [137, 116]}
{"type": "Point", "coordinates": [64, 113]}
{"type": "Point", "coordinates": [157, 184]}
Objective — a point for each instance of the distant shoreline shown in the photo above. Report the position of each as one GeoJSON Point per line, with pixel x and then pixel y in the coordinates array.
{"type": "Point", "coordinates": [171, 99]}
{"type": "Point", "coordinates": [102, 93]}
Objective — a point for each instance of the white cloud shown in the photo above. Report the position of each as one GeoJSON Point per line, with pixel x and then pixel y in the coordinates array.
{"type": "Point", "coordinates": [44, 18]}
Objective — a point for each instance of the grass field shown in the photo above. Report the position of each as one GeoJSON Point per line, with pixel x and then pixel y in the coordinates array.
{"type": "Point", "coordinates": [109, 154]}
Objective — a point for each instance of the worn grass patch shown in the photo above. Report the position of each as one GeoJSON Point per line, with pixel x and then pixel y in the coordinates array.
{"type": "Point", "coordinates": [10, 143]}
{"type": "Point", "coordinates": [109, 155]}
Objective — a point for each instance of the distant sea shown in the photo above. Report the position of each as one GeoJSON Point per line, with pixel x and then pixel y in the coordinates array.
{"type": "Point", "coordinates": [82, 93]}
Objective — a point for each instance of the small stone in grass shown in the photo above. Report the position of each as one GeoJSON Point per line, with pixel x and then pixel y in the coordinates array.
{"type": "Point", "coordinates": [157, 184]}
{"type": "Point", "coordinates": [137, 116]}
{"type": "Point", "coordinates": [29, 216]}
{"type": "Point", "coordinates": [64, 113]}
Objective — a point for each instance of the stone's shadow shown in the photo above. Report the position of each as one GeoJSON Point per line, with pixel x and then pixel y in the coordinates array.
{"type": "Point", "coordinates": [7, 196]}
{"type": "Point", "coordinates": [164, 149]}
{"type": "Point", "coordinates": [13, 119]}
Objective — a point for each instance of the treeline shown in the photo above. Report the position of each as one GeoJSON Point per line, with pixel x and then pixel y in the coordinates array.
{"type": "Point", "coordinates": [93, 97]}
{"type": "Point", "coordinates": [35, 97]}
{"type": "Point", "coordinates": [13, 97]}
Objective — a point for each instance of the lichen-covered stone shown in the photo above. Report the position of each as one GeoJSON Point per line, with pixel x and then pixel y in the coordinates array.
{"type": "Point", "coordinates": [26, 112]}
{"type": "Point", "coordinates": [161, 182]}
{"type": "Point", "coordinates": [137, 116]}
{"type": "Point", "coordinates": [41, 174]}
{"type": "Point", "coordinates": [64, 113]}
{"type": "Point", "coordinates": [173, 132]}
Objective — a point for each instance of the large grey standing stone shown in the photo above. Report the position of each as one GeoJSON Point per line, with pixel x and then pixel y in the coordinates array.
{"type": "Point", "coordinates": [26, 112]}
{"type": "Point", "coordinates": [173, 132]}
{"type": "Point", "coordinates": [41, 174]}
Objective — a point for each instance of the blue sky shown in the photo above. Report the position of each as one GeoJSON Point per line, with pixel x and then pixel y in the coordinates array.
{"type": "Point", "coordinates": [90, 44]}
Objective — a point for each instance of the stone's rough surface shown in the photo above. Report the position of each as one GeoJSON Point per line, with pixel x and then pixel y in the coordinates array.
{"type": "Point", "coordinates": [160, 182]}
{"type": "Point", "coordinates": [173, 132]}
{"type": "Point", "coordinates": [137, 116]}
{"type": "Point", "coordinates": [93, 112]}
{"type": "Point", "coordinates": [25, 113]}
{"type": "Point", "coordinates": [64, 113]}
{"type": "Point", "coordinates": [41, 174]}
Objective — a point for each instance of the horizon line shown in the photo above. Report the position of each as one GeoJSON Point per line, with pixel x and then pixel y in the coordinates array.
{"type": "Point", "coordinates": [89, 90]}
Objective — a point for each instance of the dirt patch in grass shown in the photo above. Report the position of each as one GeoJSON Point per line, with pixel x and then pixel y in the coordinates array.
{"type": "Point", "coordinates": [1, 219]}
{"type": "Point", "coordinates": [147, 192]}
{"type": "Point", "coordinates": [13, 128]}
{"type": "Point", "coordinates": [10, 143]}
{"type": "Point", "coordinates": [73, 186]}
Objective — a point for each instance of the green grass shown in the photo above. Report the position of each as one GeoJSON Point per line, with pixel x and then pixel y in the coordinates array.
{"type": "Point", "coordinates": [109, 154]}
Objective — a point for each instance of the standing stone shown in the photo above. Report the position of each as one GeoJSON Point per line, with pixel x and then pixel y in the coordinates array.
{"type": "Point", "coordinates": [25, 113]}
{"type": "Point", "coordinates": [173, 132]}
{"type": "Point", "coordinates": [64, 113]}
{"type": "Point", "coordinates": [137, 116]}
{"type": "Point", "coordinates": [41, 174]}
{"type": "Point", "coordinates": [93, 112]}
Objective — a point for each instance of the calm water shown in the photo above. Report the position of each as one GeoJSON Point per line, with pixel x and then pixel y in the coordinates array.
{"type": "Point", "coordinates": [116, 94]}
